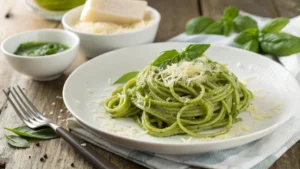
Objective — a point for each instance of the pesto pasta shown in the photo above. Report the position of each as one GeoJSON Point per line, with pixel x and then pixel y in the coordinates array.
{"type": "Point", "coordinates": [182, 93]}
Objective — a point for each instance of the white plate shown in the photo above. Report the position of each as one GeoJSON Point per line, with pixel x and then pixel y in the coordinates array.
{"type": "Point", "coordinates": [270, 83]}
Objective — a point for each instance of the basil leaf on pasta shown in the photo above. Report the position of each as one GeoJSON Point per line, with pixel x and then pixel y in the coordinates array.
{"type": "Point", "coordinates": [126, 77]}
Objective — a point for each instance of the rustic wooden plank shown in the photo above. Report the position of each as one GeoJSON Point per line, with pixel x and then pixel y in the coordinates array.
{"type": "Point", "coordinates": [214, 8]}
{"type": "Point", "coordinates": [174, 15]}
{"type": "Point", "coordinates": [43, 94]}
{"type": "Point", "coordinates": [266, 8]}
{"type": "Point", "coordinates": [287, 8]}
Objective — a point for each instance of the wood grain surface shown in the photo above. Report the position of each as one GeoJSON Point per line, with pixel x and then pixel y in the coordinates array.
{"type": "Point", "coordinates": [175, 13]}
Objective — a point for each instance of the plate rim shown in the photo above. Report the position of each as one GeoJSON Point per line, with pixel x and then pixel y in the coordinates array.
{"type": "Point", "coordinates": [264, 132]}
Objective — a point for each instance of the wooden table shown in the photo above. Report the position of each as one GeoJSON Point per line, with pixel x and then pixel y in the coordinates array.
{"type": "Point", "coordinates": [14, 18]}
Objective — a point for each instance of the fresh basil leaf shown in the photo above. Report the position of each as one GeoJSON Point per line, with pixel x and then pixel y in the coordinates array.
{"type": "Point", "coordinates": [197, 25]}
{"type": "Point", "coordinates": [246, 36]}
{"type": "Point", "coordinates": [16, 141]}
{"type": "Point", "coordinates": [42, 133]}
{"type": "Point", "coordinates": [252, 45]}
{"type": "Point", "coordinates": [214, 28]}
{"type": "Point", "coordinates": [172, 56]}
{"type": "Point", "coordinates": [275, 25]}
{"type": "Point", "coordinates": [227, 27]}
{"type": "Point", "coordinates": [230, 13]}
{"type": "Point", "coordinates": [166, 58]}
{"type": "Point", "coordinates": [279, 44]}
{"type": "Point", "coordinates": [194, 51]}
{"type": "Point", "coordinates": [242, 23]}
{"type": "Point", "coordinates": [126, 77]}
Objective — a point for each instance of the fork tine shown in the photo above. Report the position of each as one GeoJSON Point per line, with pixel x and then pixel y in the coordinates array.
{"type": "Point", "coordinates": [29, 112]}
{"type": "Point", "coordinates": [28, 115]}
{"type": "Point", "coordinates": [24, 119]}
{"type": "Point", "coordinates": [35, 110]}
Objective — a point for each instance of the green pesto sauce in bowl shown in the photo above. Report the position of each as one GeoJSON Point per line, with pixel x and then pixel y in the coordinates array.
{"type": "Point", "coordinates": [59, 5]}
{"type": "Point", "coordinates": [40, 48]}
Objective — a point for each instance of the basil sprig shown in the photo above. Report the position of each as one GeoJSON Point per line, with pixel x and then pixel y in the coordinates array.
{"type": "Point", "coordinates": [231, 20]}
{"type": "Point", "coordinates": [191, 52]}
{"type": "Point", "coordinates": [269, 39]}
{"type": "Point", "coordinates": [24, 133]}
{"type": "Point", "coordinates": [229, 14]}
{"type": "Point", "coordinates": [169, 57]}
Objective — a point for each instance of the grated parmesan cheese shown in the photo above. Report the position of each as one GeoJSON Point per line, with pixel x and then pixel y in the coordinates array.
{"type": "Point", "coordinates": [59, 97]}
{"type": "Point", "coordinates": [112, 28]}
{"type": "Point", "coordinates": [185, 71]}
{"type": "Point", "coordinates": [141, 134]}
{"type": "Point", "coordinates": [90, 91]}
{"type": "Point", "coordinates": [253, 111]}
{"type": "Point", "coordinates": [245, 80]}
{"type": "Point", "coordinates": [277, 108]}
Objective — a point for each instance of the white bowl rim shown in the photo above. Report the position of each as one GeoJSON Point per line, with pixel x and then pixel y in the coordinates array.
{"type": "Point", "coordinates": [156, 20]}
{"type": "Point", "coordinates": [73, 35]}
{"type": "Point", "coordinates": [248, 136]}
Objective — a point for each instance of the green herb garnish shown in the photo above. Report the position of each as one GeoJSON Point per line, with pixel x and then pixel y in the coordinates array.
{"type": "Point", "coordinates": [275, 25]}
{"type": "Point", "coordinates": [126, 77]}
{"type": "Point", "coordinates": [24, 133]}
{"type": "Point", "coordinates": [231, 20]}
{"type": "Point", "coordinates": [169, 57]}
{"type": "Point", "coordinates": [172, 56]}
{"type": "Point", "coordinates": [16, 141]}
{"type": "Point", "coordinates": [242, 23]}
{"type": "Point", "coordinates": [279, 44]}
{"type": "Point", "coordinates": [42, 133]}
{"type": "Point", "coordinates": [269, 39]}
{"type": "Point", "coordinates": [198, 25]}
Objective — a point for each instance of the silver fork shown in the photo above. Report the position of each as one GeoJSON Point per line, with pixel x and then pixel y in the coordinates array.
{"type": "Point", "coordinates": [34, 119]}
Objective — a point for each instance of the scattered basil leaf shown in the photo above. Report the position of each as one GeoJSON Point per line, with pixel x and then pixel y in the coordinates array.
{"type": "Point", "coordinates": [166, 58]}
{"type": "Point", "coordinates": [242, 23]}
{"type": "Point", "coordinates": [16, 141]}
{"type": "Point", "coordinates": [246, 36]}
{"type": "Point", "coordinates": [197, 25]}
{"type": "Point", "coordinates": [126, 77]}
{"type": "Point", "coordinates": [230, 13]}
{"type": "Point", "coordinates": [279, 44]}
{"type": "Point", "coordinates": [214, 28]}
{"type": "Point", "coordinates": [194, 51]}
{"type": "Point", "coordinates": [252, 45]}
{"type": "Point", "coordinates": [42, 133]}
{"type": "Point", "coordinates": [275, 25]}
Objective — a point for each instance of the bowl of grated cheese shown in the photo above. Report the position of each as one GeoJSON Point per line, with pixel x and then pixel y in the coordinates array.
{"type": "Point", "coordinates": [100, 37]}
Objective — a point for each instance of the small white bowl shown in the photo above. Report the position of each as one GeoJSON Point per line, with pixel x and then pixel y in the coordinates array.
{"type": "Point", "coordinates": [41, 68]}
{"type": "Point", "coordinates": [95, 44]}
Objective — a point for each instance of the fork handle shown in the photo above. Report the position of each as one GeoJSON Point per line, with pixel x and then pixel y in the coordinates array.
{"type": "Point", "coordinates": [87, 152]}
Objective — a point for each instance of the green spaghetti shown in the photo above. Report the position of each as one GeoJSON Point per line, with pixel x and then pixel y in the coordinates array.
{"type": "Point", "coordinates": [182, 93]}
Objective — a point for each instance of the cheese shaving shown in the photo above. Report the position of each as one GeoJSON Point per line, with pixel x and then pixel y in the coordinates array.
{"type": "Point", "coordinates": [253, 111]}
{"type": "Point", "coordinates": [185, 71]}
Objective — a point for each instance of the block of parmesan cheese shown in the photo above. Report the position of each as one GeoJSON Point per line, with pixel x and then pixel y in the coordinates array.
{"type": "Point", "coordinates": [116, 11]}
